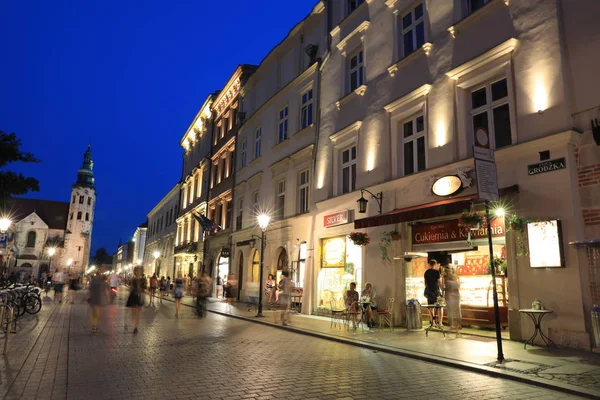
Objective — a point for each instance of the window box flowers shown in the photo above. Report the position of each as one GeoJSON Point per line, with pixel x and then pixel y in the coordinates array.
{"type": "Point", "coordinates": [360, 238]}
{"type": "Point", "coordinates": [471, 221]}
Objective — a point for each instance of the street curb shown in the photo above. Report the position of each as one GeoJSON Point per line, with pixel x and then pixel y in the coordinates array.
{"type": "Point", "coordinates": [493, 372]}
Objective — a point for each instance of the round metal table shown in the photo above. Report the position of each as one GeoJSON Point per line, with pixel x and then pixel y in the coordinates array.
{"type": "Point", "coordinates": [536, 316]}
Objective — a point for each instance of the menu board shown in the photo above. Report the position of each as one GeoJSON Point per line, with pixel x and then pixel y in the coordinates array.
{"type": "Point", "coordinates": [475, 264]}
{"type": "Point", "coordinates": [545, 247]}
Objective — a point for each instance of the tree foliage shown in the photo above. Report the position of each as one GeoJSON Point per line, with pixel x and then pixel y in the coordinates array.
{"type": "Point", "coordinates": [12, 183]}
{"type": "Point", "coordinates": [102, 257]}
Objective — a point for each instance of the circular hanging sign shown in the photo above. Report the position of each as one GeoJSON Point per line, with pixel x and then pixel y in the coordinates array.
{"type": "Point", "coordinates": [446, 185]}
{"type": "Point", "coordinates": [482, 138]}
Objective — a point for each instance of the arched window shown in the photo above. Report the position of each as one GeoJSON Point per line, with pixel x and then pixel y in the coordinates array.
{"type": "Point", "coordinates": [282, 261]}
{"type": "Point", "coordinates": [255, 267]}
{"type": "Point", "coordinates": [31, 239]}
{"type": "Point", "coordinates": [79, 215]}
{"type": "Point", "coordinates": [87, 216]}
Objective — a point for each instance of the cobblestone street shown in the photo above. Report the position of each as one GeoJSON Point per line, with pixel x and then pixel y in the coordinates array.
{"type": "Point", "coordinates": [219, 358]}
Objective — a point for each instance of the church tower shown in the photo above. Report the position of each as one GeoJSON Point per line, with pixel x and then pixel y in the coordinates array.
{"type": "Point", "coordinates": [78, 238]}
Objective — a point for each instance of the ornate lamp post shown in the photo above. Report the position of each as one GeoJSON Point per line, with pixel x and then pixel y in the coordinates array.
{"type": "Point", "coordinates": [263, 223]}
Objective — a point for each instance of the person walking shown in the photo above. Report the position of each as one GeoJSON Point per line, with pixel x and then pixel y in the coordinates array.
{"type": "Point", "coordinates": [231, 292]}
{"type": "Point", "coordinates": [285, 291]}
{"type": "Point", "coordinates": [96, 298]}
{"type": "Point", "coordinates": [59, 283]}
{"type": "Point", "coordinates": [73, 287]}
{"type": "Point", "coordinates": [204, 290]}
{"type": "Point", "coordinates": [162, 288]}
{"type": "Point", "coordinates": [136, 300]}
{"type": "Point", "coordinates": [153, 285]}
{"type": "Point", "coordinates": [178, 293]}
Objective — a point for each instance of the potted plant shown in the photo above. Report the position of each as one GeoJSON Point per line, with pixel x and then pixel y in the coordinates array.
{"type": "Point", "coordinates": [472, 220]}
{"type": "Point", "coordinates": [516, 223]}
{"type": "Point", "coordinates": [385, 243]}
{"type": "Point", "coordinates": [360, 238]}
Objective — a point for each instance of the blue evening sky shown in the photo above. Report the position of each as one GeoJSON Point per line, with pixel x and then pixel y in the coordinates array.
{"type": "Point", "coordinates": [128, 77]}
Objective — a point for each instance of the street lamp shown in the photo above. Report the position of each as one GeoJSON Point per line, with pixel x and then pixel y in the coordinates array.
{"type": "Point", "coordinates": [362, 202]}
{"type": "Point", "coordinates": [51, 252]}
{"type": "Point", "coordinates": [4, 224]}
{"type": "Point", "coordinates": [263, 223]}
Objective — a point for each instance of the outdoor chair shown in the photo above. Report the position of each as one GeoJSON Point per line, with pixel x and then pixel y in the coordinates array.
{"type": "Point", "coordinates": [386, 315]}
{"type": "Point", "coordinates": [355, 314]}
{"type": "Point", "coordinates": [337, 315]}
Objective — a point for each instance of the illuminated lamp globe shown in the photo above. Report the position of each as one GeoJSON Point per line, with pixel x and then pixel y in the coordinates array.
{"type": "Point", "coordinates": [156, 254]}
{"type": "Point", "coordinates": [51, 251]}
{"type": "Point", "coordinates": [4, 224]}
{"type": "Point", "coordinates": [263, 221]}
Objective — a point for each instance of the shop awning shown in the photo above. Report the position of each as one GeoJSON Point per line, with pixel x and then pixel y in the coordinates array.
{"type": "Point", "coordinates": [422, 211]}
{"type": "Point", "coordinates": [436, 209]}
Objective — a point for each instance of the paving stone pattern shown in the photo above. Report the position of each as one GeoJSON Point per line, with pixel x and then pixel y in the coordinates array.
{"type": "Point", "coordinates": [222, 358]}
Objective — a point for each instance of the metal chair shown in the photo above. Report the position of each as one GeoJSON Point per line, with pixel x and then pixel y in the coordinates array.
{"type": "Point", "coordinates": [386, 315]}
{"type": "Point", "coordinates": [355, 314]}
{"type": "Point", "coordinates": [337, 315]}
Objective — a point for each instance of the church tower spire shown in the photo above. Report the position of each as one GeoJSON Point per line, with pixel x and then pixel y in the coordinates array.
{"type": "Point", "coordinates": [85, 175]}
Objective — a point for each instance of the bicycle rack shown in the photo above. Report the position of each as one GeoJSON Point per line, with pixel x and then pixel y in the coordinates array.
{"type": "Point", "coordinates": [10, 319]}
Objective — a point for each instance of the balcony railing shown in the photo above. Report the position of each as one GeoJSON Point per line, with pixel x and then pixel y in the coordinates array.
{"type": "Point", "coordinates": [189, 247]}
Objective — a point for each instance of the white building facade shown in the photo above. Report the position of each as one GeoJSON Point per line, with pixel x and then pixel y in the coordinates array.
{"type": "Point", "coordinates": [275, 153]}
{"type": "Point", "coordinates": [159, 257]}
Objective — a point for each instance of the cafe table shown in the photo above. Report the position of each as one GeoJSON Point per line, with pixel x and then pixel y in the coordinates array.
{"type": "Point", "coordinates": [536, 316]}
{"type": "Point", "coordinates": [433, 327]}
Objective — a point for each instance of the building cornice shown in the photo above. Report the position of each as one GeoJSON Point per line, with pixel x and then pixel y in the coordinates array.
{"type": "Point", "coordinates": [168, 197]}
{"type": "Point", "coordinates": [229, 93]}
{"type": "Point", "coordinates": [483, 59]}
{"type": "Point", "coordinates": [197, 127]}
{"type": "Point", "coordinates": [352, 128]}
{"type": "Point", "coordinates": [357, 31]}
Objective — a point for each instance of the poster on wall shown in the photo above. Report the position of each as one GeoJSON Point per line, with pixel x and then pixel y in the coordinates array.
{"type": "Point", "coordinates": [475, 264]}
{"type": "Point", "coordinates": [545, 244]}
{"type": "Point", "coordinates": [334, 252]}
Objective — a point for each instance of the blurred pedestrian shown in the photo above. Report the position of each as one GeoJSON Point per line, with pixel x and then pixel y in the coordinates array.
{"type": "Point", "coordinates": [59, 283]}
{"type": "Point", "coordinates": [230, 290]}
{"type": "Point", "coordinates": [73, 287]}
{"type": "Point", "coordinates": [153, 285]}
{"type": "Point", "coordinates": [204, 290]}
{"type": "Point", "coordinates": [136, 299]}
{"type": "Point", "coordinates": [96, 298]}
{"type": "Point", "coordinates": [178, 293]}
{"type": "Point", "coordinates": [285, 291]}
{"type": "Point", "coordinates": [162, 288]}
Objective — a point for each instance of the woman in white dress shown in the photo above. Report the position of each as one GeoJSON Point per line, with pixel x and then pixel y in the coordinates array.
{"type": "Point", "coordinates": [452, 294]}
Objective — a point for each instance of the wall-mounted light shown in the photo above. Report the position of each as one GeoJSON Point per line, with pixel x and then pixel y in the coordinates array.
{"type": "Point", "coordinates": [540, 98]}
{"type": "Point", "coordinates": [362, 202]}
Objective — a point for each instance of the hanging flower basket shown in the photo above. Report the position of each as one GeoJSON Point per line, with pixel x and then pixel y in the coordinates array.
{"type": "Point", "coordinates": [360, 238]}
{"type": "Point", "coordinates": [471, 221]}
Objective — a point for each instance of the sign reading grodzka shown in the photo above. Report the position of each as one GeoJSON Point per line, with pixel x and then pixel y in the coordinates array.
{"type": "Point", "coordinates": [449, 231]}
{"type": "Point", "coordinates": [547, 166]}
{"type": "Point", "coordinates": [338, 218]}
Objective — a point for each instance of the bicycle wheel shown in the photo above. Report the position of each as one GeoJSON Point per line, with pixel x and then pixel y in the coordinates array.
{"type": "Point", "coordinates": [33, 304]}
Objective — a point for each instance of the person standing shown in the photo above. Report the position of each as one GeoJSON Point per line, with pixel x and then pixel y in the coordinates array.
{"type": "Point", "coordinates": [219, 286]}
{"type": "Point", "coordinates": [96, 298]}
{"type": "Point", "coordinates": [178, 293]}
{"type": "Point", "coordinates": [285, 291]}
{"type": "Point", "coordinates": [153, 285]}
{"type": "Point", "coordinates": [452, 294]}
{"type": "Point", "coordinates": [135, 300]}
{"type": "Point", "coordinates": [432, 291]}
{"type": "Point", "coordinates": [59, 282]}
{"type": "Point", "coordinates": [271, 290]}
{"type": "Point", "coordinates": [168, 286]}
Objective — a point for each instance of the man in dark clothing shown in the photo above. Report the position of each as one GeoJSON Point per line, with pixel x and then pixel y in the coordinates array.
{"type": "Point", "coordinates": [432, 289]}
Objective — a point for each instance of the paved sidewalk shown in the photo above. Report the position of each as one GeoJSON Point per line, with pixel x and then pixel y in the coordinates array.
{"type": "Point", "coordinates": [563, 369]}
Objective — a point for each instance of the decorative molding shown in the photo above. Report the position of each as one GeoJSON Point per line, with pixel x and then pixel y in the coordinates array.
{"type": "Point", "coordinates": [483, 59]}
{"type": "Point", "coordinates": [359, 91]}
{"type": "Point", "coordinates": [425, 49]}
{"type": "Point", "coordinates": [408, 98]}
{"type": "Point", "coordinates": [391, 3]}
{"type": "Point", "coordinates": [359, 29]}
{"type": "Point", "coordinates": [474, 16]}
{"type": "Point", "coordinates": [302, 155]}
{"type": "Point", "coordinates": [352, 128]}
{"type": "Point", "coordinates": [305, 130]}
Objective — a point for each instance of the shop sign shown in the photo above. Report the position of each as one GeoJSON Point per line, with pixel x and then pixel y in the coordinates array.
{"type": "Point", "coordinates": [545, 244]}
{"type": "Point", "coordinates": [338, 218]}
{"type": "Point", "coordinates": [225, 252]}
{"type": "Point", "coordinates": [547, 166]}
{"type": "Point", "coordinates": [446, 186]}
{"type": "Point", "coordinates": [449, 231]}
{"type": "Point", "coordinates": [334, 252]}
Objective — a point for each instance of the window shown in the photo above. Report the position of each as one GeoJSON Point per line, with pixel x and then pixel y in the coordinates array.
{"type": "Point", "coordinates": [89, 201]}
{"type": "Point", "coordinates": [349, 170]}
{"type": "Point", "coordinates": [87, 216]}
{"type": "Point", "coordinates": [283, 125]}
{"type": "Point", "coordinates": [73, 199]}
{"type": "Point", "coordinates": [199, 183]}
{"type": "Point", "coordinates": [257, 142]}
{"type": "Point", "coordinates": [413, 145]}
{"type": "Point", "coordinates": [244, 151]}
{"type": "Point", "coordinates": [356, 71]}
{"type": "Point", "coordinates": [228, 215]}
{"type": "Point", "coordinates": [280, 200]}
{"type": "Point", "coordinates": [303, 192]}
{"type": "Point", "coordinates": [306, 112]}
{"type": "Point", "coordinates": [79, 215]}
{"type": "Point", "coordinates": [413, 30]}
{"type": "Point", "coordinates": [224, 128]}
{"type": "Point", "coordinates": [31, 239]}
{"type": "Point", "coordinates": [354, 4]}
{"type": "Point", "coordinates": [238, 219]}
{"type": "Point", "coordinates": [196, 186]}
{"type": "Point", "coordinates": [71, 217]}
{"type": "Point", "coordinates": [81, 199]}
{"type": "Point", "coordinates": [255, 200]}
{"type": "Point", "coordinates": [190, 195]}
{"type": "Point", "coordinates": [490, 114]}
{"type": "Point", "coordinates": [474, 5]}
